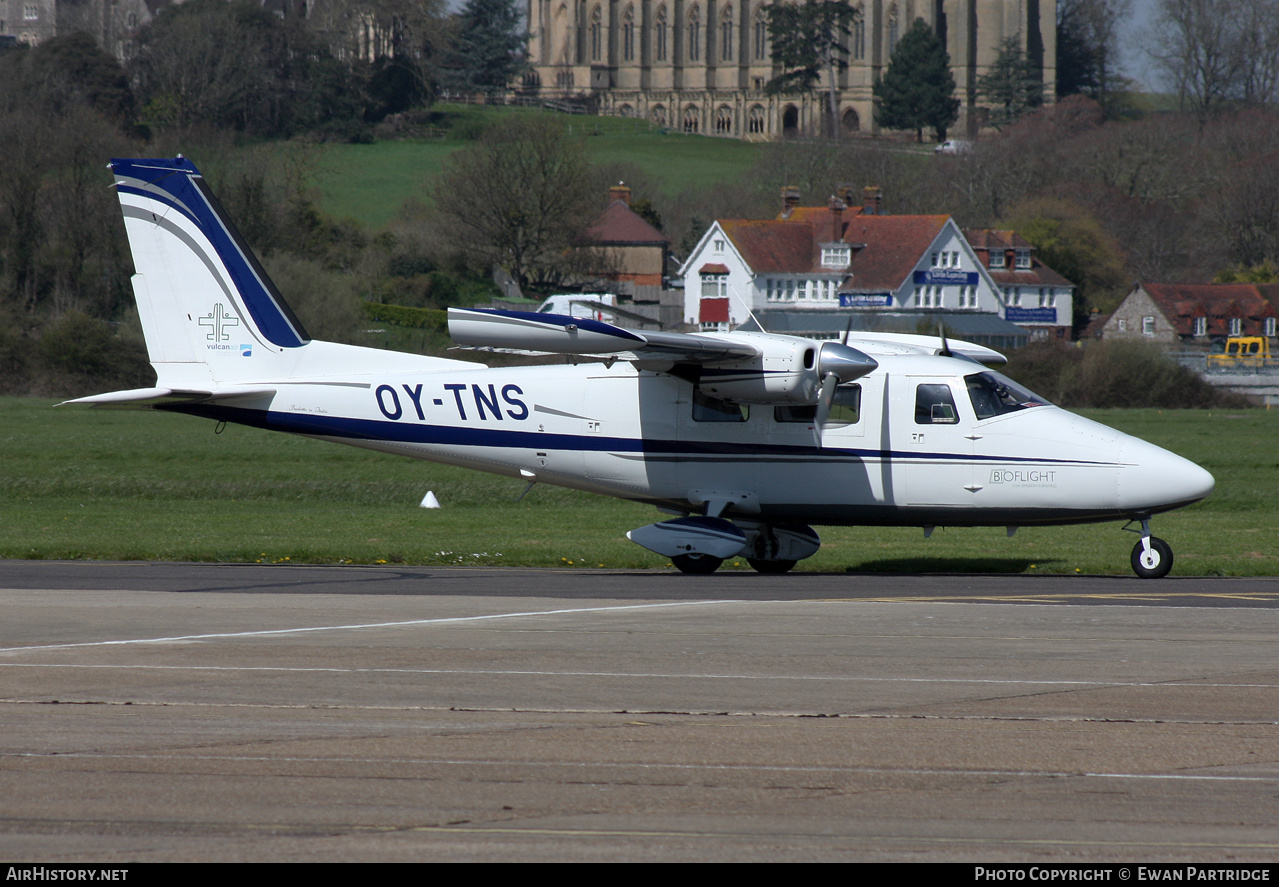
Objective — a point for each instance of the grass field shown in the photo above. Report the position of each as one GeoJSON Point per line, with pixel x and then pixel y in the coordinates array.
{"type": "Point", "coordinates": [139, 485]}
{"type": "Point", "coordinates": [369, 183]}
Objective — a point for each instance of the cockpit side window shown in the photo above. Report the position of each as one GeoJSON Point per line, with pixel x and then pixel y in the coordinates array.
{"type": "Point", "coordinates": [995, 395]}
{"type": "Point", "coordinates": [934, 405]}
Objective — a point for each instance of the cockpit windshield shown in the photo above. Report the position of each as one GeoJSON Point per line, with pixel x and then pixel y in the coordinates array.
{"type": "Point", "coordinates": [994, 395]}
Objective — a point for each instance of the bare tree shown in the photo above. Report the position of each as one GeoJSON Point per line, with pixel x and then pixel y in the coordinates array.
{"type": "Point", "coordinates": [1216, 53]}
{"type": "Point", "coordinates": [519, 197]}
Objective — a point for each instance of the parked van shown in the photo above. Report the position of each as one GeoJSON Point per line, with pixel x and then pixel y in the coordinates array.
{"type": "Point", "coordinates": [587, 306]}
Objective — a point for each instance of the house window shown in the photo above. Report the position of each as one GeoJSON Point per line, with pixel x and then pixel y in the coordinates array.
{"type": "Point", "coordinates": [714, 285]}
{"type": "Point", "coordinates": [719, 247]}
{"type": "Point", "coordinates": [30, 12]}
{"type": "Point", "coordinates": [1148, 325]}
{"type": "Point", "coordinates": [1023, 258]}
{"type": "Point", "coordinates": [996, 259]}
{"type": "Point", "coordinates": [1201, 326]}
{"type": "Point", "coordinates": [1270, 326]}
{"type": "Point", "coordinates": [1122, 325]}
{"type": "Point", "coordinates": [1236, 326]}
{"type": "Point", "coordinates": [836, 256]}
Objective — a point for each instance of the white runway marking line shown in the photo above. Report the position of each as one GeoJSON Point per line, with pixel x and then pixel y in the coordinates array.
{"type": "Point", "coordinates": [961, 772]}
{"type": "Point", "coordinates": [357, 626]}
{"type": "Point", "coordinates": [1018, 682]}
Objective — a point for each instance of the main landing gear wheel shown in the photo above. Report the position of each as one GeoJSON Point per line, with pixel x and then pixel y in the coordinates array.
{"type": "Point", "coordinates": [696, 564]}
{"type": "Point", "coordinates": [1154, 564]}
{"type": "Point", "coordinates": [763, 566]}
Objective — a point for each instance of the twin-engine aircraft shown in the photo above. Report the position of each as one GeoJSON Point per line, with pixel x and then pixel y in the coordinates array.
{"type": "Point", "coordinates": [745, 438]}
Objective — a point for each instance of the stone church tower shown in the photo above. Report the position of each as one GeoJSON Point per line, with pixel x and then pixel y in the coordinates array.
{"type": "Point", "coordinates": [701, 65]}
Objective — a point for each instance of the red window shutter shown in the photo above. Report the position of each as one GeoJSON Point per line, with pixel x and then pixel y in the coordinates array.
{"type": "Point", "coordinates": [714, 311]}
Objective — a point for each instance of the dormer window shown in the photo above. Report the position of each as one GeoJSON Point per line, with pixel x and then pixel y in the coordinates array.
{"type": "Point", "coordinates": [1023, 258]}
{"type": "Point", "coordinates": [996, 259]}
{"type": "Point", "coordinates": [1270, 327]}
{"type": "Point", "coordinates": [836, 255]}
{"type": "Point", "coordinates": [1201, 326]}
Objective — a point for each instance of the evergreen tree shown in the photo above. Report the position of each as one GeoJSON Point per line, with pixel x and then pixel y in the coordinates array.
{"type": "Point", "coordinates": [807, 39]}
{"type": "Point", "coordinates": [1012, 84]}
{"type": "Point", "coordinates": [488, 52]}
{"type": "Point", "coordinates": [917, 89]}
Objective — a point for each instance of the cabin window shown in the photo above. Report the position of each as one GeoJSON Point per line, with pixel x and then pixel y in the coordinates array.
{"type": "Point", "coordinates": [934, 405]}
{"type": "Point", "coordinates": [845, 409]}
{"type": "Point", "coordinates": [993, 394]}
{"type": "Point", "coordinates": [708, 408]}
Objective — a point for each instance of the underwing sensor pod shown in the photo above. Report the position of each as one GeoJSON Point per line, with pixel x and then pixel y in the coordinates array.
{"type": "Point", "coordinates": [745, 439]}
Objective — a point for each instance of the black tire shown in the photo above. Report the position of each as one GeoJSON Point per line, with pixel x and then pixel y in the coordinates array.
{"type": "Point", "coordinates": [763, 566]}
{"type": "Point", "coordinates": [1160, 559]}
{"type": "Point", "coordinates": [696, 564]}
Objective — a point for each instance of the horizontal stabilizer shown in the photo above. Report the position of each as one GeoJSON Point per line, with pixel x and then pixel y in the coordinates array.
{"type": "Point", "coordinates": [148, 398]}
{"type": "Point", "coordinates": [561, 334]}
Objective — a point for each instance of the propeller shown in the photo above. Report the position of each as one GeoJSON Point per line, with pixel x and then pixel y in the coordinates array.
{"type": "Point", "coordinates": [837, 362]}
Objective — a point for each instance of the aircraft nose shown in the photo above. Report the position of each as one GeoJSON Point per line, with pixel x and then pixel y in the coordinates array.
{"type": "Point", "coordinates": [1153, 478]}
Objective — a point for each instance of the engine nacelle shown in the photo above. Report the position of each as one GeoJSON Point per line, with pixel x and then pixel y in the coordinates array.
{"type": "Point", "coordinates": [784, 372]}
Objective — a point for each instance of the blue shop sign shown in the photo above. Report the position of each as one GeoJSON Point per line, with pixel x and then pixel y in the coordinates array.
{"type": "Point", "coordinates": [865, 300]}
{"type": "Point", "coordinates": [947, 277]}
{"type": "Point", "coordinates": [1030, 315]}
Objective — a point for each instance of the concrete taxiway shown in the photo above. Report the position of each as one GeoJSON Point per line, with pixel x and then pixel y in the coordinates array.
{"type": "Point", "coordinates": [156, 712]}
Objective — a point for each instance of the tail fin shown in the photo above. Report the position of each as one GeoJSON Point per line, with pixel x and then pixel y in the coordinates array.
{"type": "Point", "coordinates": [209, 312]}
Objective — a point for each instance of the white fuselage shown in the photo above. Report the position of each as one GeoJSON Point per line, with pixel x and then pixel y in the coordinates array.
{"type": "Point", "coordinates": [627, 433]}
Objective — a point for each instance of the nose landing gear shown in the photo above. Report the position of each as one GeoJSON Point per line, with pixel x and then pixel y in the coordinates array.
{"type": "Point", "coordinates": [1152, 556]}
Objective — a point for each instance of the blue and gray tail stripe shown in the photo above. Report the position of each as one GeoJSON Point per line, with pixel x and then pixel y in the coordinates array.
{"type": "Point", "coordinates": [178, 184]}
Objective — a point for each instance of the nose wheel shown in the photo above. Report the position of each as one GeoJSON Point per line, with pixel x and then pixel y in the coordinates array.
{"type": "Point", "coordinates": [1152, 556]}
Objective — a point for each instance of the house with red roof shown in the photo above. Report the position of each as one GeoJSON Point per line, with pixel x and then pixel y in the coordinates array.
{"type": "Point", "coordinates": [632, 249]}
{"type": "Point", "coordinates": [842, 261]}
{"type": "Point", "coordinates": [1035, 296]}
{"type": "Point", "coordinates": [1194, 314]}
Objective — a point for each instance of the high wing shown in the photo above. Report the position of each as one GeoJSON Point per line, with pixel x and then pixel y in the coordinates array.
{"type": "Point", "coordinates": [561, 334]}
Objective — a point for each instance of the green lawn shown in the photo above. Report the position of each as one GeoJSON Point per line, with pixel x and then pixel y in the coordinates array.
{"type": "Point", "coordinates": [369, 183]}
{"type": "Point", "coordinates": [141, 485]}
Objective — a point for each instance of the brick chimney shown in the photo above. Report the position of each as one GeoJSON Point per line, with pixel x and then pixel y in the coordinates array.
{"type": "Point", "coordinates": [619, 192]}
{"type": "Point", "coordinates": [837, 208]}
{"type": "Point", "coordinates": [790, 200]}
{"type": "Point", "coordinates": [872, 201]}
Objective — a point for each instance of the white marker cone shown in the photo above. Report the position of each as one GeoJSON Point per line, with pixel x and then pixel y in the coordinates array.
{"type": "Point", "coordinates": [429, 501]}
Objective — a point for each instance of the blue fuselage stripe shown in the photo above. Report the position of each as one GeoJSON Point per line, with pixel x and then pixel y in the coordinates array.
{"type": "Point", "coordinates": [455, 436]}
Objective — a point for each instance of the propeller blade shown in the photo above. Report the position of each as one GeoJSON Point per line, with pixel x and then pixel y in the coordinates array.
{"type": "Point", "coordinates": [824, 401]}
{"type": "Point", "coordinates": [848, 331]}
